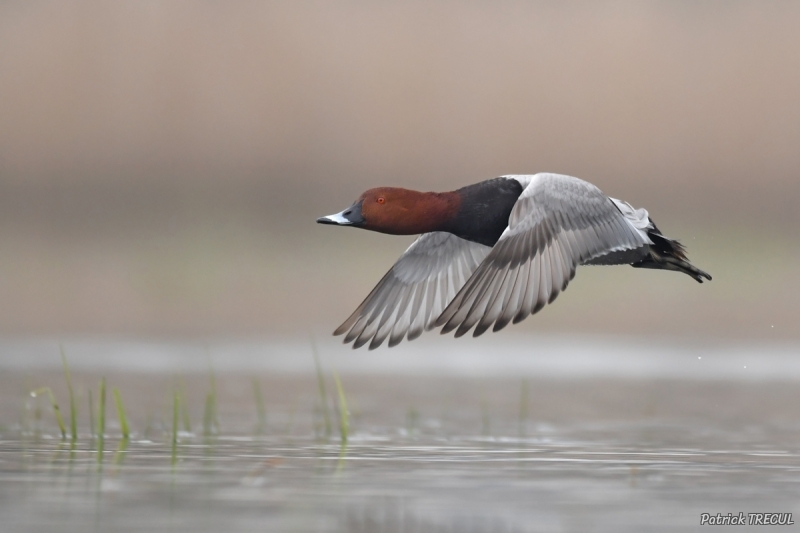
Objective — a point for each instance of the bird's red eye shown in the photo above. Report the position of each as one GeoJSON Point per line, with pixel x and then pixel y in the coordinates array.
{"type": "Point", "coordinates": [381, 200]}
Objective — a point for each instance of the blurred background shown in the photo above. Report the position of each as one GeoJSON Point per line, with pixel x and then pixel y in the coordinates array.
{"type": "Point", "coordinates": [162, 163]}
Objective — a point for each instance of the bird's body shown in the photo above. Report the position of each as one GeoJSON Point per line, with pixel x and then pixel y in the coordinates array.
{"type": "Point", "coordinates": [494, 252]}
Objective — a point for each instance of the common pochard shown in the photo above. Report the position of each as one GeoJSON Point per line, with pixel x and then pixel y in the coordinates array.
{"type": "Point", "coordinates": [494, 252]}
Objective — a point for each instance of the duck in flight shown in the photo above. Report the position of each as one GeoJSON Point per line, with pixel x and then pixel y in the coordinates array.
{"type": "Point", "coordinates": [494, 252]}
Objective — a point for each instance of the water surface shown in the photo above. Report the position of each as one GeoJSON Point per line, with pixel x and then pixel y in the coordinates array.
{"type": "Point", "coordinates": [574, 437]}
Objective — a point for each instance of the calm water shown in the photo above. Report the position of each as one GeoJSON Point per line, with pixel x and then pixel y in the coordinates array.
{"type": "Point", "coordinates": [530, 435]}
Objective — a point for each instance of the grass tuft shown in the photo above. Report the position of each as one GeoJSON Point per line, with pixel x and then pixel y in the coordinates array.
{"type": "Point", "coordinates": [123, 420]}
{"type": "Point", "coordinates": [73, 409]}
{"type": "Point", "coordinates": [56, 410]}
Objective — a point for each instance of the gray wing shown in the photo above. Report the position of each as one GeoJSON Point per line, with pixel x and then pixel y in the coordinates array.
{"type": "Point", "coordinates": [558, 223]}
{"type": "Point", "coordinates": [415, 291]}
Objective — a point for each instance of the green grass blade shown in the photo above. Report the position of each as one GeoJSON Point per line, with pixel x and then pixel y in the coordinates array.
{"type": "Point", "coordinates": [344, 415]}
{"type": "Point", "coordinates": [101, 421]}
{"type": "Point", "coordinates": [261, 410]}
{"type": "Point", "coordinates": [214, 403]}
{"type": "Point", "coordinates": [412, 419]}
{"type": "Point", "coordinates": [122, 448]}
{"type": "Point", "coordinates": [73, 410]}
{"type": "Point", "coordinates": [56, 409]}
{"type": "Point", "coordinates": [123, 420]}
{"type": "Point", "coordinates": [210, 417]}
{"type": "Point", "coordinates": [187, 422]}
{"type": "Point", "coordinates": [323, 395]}
{"type": "Point", "coordinates": [344, 422]}
{"type": "Point", "coordinates": [175, 410]}
{"type": "Point", "coordinates": [91, 415]}
{"type": "Point", "coordinates": [485, 423]}
{"type": "Point", "coordinates": [523, 407]}
{"type": "Point", "coordinates": [290, 424]}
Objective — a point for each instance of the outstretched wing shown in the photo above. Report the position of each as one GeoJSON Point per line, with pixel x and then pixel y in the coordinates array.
{"type": "Point", "coordinates": [557, 223]}
{"type": "Point", "coordinates": [414, 291]}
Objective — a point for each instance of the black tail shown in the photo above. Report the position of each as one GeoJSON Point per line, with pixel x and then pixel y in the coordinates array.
{"type": "Point", "coordinates": [666, 254]}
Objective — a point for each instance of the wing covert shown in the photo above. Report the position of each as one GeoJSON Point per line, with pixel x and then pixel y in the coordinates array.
{"type": "Point", "coordinates": [558, 223]}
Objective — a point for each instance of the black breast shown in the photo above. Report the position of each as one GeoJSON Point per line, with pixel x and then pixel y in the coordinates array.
{"type": "Point", "coordinates": [484, 211]}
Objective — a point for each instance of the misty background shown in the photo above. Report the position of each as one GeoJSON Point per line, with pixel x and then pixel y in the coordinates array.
{"type": "Point", "coordinates": [162, 163]}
